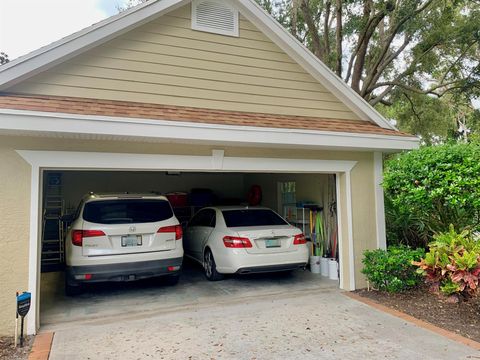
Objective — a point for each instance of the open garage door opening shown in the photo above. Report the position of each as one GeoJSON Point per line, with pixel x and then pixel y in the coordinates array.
{"type": "Point", "coordinates": [302, 208]}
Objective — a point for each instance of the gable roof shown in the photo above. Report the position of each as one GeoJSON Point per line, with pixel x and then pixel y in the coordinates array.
{"type": "Point", "coordinates": [45, 58]}
{"type": "Point", "coordinates": [125, 109]}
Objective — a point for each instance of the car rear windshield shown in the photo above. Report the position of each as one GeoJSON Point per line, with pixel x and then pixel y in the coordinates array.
{"type": "Point", "coordinates": [251, 217]}
{"type": "Point", "coordinates": [127, 211]}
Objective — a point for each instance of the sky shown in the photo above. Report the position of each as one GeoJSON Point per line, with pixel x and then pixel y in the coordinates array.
{"type": "Point", "coordinates": [26, 25]}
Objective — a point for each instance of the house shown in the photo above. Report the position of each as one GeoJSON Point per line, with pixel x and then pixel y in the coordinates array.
{"type": "Point", "coordinates": [186, 94]}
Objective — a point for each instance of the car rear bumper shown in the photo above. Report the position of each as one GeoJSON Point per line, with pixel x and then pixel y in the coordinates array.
{"type": "Point", "coordinates": [123, 271]}
{"type": "Point", "coordinates": [271, 268]}
{"type": "Point", "coordinates": [231, 262]}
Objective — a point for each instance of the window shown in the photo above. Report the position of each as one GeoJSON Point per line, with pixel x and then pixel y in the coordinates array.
{"type": "Point", "coordinates": [205, 218]}
{"type": "Point", "coordinates": [252, 217]}
{"type": "Point", "coordinates": [127, 211]}
{"type": "Point", "coordinates": [215, 16]}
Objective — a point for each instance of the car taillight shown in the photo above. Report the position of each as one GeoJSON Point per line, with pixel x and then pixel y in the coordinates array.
{"type": "Point", "coordinates": [236, 242]}
{"type": "Point", "coordinates": [78, 235]}
{"type": "Point", "coordinates": [177, 229]}
{"type": "Point", "coordinates": [299, 239]}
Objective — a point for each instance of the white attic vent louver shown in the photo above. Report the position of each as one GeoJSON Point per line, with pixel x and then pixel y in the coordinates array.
{"type": "Point", "coordinates": [215, 16]}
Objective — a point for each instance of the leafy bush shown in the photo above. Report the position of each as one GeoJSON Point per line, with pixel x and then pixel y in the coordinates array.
{"type": "Point", "coordinates": [392, 270]}
{"type": "Point", "coordinates": [405, 227]}
{"type": "Point", "coordinates": [452, 264]}
{"type": "Point", "coordinates": [430, 188]}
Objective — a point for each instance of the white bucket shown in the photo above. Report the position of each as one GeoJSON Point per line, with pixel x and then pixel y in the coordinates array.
{"type": "Point", "coordinates": [333, 269]}
{"type": "Point", "coordinates": [315, 264]}
{"type": "Point", "coordinates": [324, 266]}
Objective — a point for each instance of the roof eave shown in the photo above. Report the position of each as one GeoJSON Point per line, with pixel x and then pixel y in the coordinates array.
{"type": "Point", "coordinates": [138, 129]}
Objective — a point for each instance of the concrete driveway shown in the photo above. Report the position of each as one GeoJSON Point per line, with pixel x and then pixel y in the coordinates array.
{"type": "Point", "coordinates": [111, 300]}
{"type": "Point", "coordinates": [295, 323]}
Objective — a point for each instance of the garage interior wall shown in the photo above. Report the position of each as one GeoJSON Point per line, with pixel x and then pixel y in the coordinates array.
{"type": "Point", "coordinates": [78, 183]}
{"type": "Point", "coordinates": [309, 187]}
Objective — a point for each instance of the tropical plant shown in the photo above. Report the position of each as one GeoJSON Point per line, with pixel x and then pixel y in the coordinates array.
{"type": "Point", "coordinates": [452, 264]}
{"type": "Point", "coordinates": [392, 270]}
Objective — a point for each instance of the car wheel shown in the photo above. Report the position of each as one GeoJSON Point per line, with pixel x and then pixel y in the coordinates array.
{"type": "Point", "coordinates": [210, 267]}
{"type": "Point", "coordinates": [73, 290]}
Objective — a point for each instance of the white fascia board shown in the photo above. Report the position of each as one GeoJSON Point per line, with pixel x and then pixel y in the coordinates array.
{"type": "Point", "coordinates": [66, 48]}
{"type": "Point", "coordinates": [164, 130]}
{"type": "Point", "coordinates": [288, 43]}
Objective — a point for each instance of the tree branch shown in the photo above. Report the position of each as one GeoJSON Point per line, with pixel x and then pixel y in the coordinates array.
{"type": "Point", "coordinates": [457, 61]}
{"type": "Point", "coordinates": [361, 38]}
{"type": "Point", "coordinates": [358, 67]}
{"type": "Point", "coordinates": [375, 76]}
{"type": "Point", "coordinates": [312, 28]}
{"type": "Point", "coordinates": [378, 68]}
{"type": "Point", "coordinates": [412, 106]}
{"type": "Point", "coordinates": [391, 84]}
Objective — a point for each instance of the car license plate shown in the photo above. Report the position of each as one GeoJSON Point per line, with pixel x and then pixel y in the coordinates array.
{"type": "Point", "coordinates": [272, 243]}
{"type": "Point", "coordinates": [131, 240]}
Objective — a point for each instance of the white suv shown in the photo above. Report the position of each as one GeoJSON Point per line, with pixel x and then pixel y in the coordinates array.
{"type": "Point", "coordinates": [122, 237]}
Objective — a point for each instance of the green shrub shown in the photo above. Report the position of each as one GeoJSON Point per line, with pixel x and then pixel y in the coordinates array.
{"type": "Point", "coordinates": [428, 189]}
{"type": "Point", "coordinates": [392, 270]}
{"type": "Point", "coordinates": [452, 264]}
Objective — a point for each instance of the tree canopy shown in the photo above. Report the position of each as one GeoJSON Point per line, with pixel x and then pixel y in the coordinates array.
{"type": "Point", "coordinates": [410, 58]}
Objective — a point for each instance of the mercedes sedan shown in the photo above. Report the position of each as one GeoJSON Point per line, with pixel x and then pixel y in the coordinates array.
{"type": "Point", "coordinates": [229, 240]}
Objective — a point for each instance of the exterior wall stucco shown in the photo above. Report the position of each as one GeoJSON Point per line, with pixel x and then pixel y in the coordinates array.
{"type": "Point", "coordinates": [14, 236]}
{"type": "Point", "coordinates": [15, 200]}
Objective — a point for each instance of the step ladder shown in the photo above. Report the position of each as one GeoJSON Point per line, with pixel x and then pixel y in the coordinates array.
{"type": "Point", "coordinates": [53, 252]}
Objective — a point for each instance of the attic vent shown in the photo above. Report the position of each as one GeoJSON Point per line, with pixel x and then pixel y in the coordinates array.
{"type": "Point", "coordinates": [215, 16]}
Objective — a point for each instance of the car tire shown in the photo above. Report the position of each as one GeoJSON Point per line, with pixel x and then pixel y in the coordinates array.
{"type": "Point", "coordinates": [73, 290]}
{"type": "Point", "coordinates": [210, 268]}
{"type": "Point", "coordinates": [172, 280]}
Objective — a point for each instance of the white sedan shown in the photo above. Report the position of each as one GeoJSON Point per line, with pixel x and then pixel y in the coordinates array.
{"type": "Point", "coordinates": [229, 240]}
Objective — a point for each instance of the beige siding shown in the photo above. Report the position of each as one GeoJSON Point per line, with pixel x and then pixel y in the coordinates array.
{"type": "Point", "coordinates": [14, 222]}
{"type": "Point", "coordinates": [165, 62]}
{"type": "Point", "coordinates": [364, 215]}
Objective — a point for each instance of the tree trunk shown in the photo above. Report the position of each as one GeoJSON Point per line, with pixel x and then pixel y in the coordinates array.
{"type": "Point", "coordinates": [313, 30]}
{"type": "Point", "coordinates": [326, 27]}
{"type": "Point", "coordinates": [339, 38]}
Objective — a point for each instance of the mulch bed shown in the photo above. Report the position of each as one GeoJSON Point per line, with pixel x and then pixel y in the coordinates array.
{"type": "Point", "coordinates": [462, 318]}
{"type": "Point", "coordinates": [8, 351]}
